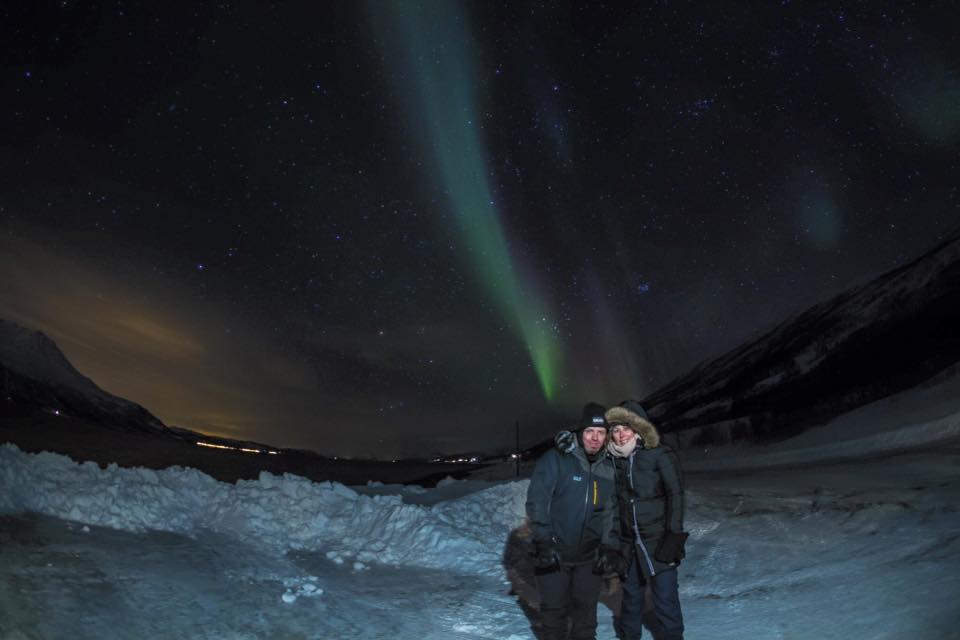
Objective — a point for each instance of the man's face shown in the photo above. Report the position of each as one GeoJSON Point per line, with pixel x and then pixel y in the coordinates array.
{"type": "Point", "coordinates": [593, 438]}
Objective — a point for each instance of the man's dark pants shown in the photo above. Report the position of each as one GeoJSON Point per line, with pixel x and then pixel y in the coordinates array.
{"type": "Point", "coordinates": [572, 592]}
{"type": "Point", "coordinates": [667, 622]}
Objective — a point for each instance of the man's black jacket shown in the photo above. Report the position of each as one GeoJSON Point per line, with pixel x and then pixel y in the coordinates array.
{"type": "Point", "coordinates": [571, 504]}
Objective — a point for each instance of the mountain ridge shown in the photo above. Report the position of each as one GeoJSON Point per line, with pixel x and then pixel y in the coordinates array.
{"type": "Point", "coordinates": [873, 340]}
{"type": "Point", "coordinates": [34, 372]}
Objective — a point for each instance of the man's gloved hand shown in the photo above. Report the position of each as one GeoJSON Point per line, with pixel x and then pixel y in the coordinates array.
{"type": "Point", "coordinates": [546, 559]}
{"type": "Point", "coordinates": [609, 562]}
{"type": "Point", "coordinates": [670, 549]}
{"type": "Point", "coordinates": [565, 441]}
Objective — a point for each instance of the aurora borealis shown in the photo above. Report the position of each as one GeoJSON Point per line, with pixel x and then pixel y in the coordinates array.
{"type": "Point", "coordinates": [431, 46]}
{"type": "Point", "coordinates": [395, 228]}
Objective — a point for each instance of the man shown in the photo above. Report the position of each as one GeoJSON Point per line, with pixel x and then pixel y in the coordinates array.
{"type": "Point", "coordinates": [650, 496]}
{"type": "Point", "coordinates": [571, 506]}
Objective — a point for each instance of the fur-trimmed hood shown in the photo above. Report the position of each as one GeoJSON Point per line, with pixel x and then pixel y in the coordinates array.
{"type": "Point", "coordinates": [643, 427]}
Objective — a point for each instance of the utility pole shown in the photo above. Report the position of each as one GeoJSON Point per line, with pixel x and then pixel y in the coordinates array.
{"type": "Point", "coordinates": [517, 458]}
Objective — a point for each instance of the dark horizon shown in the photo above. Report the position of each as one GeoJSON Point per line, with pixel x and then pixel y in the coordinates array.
{"type": "Point", "coordinates": [402, 227]}
{"type": "Point", "coordinates": [924, 323]}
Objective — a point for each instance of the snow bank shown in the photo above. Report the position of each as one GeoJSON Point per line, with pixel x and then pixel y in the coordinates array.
{"type": "Point", "coordinates": [276, 512]}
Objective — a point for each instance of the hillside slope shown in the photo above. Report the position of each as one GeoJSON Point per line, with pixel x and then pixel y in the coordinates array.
{"type": "Point", "coordinates": [891, 334]}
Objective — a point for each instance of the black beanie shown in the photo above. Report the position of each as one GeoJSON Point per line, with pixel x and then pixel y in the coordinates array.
{"type": "Point", "coordinates": [592, 416]}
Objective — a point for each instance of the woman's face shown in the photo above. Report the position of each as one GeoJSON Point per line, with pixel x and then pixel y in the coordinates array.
{"type": "Point", "coordinates": [622, 435]}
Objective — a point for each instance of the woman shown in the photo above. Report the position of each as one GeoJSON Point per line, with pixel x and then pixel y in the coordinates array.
{"type": "Point", "coordinates": [650, 493]}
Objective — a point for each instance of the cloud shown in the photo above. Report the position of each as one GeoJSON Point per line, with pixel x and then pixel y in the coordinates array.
{"type": "Point", "coordinates": [152, 343]}
{"type": "Point", "coordinates": [195, 363]}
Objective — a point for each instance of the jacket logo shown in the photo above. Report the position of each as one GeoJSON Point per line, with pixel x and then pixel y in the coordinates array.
{"type": "Point", "coordinates": [578, 478]}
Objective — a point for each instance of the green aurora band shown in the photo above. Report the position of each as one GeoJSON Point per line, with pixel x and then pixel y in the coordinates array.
{"type": "Point", "coordinates": [430, 39]}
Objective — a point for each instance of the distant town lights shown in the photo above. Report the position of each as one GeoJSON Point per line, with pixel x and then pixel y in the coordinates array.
{"type": "Point", "coordinates": [214, 446]}
{"type": "Point", "coordinates": [244, 449]}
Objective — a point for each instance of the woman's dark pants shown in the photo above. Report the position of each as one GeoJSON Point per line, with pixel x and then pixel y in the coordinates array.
{"type": "Point", "coordinates": [666, 623]}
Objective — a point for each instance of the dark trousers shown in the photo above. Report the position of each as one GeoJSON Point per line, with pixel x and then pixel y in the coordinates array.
{"type": "Point", "coordinates": [569, 594]}
{"type": "Point", "coordinates": [666, 623]}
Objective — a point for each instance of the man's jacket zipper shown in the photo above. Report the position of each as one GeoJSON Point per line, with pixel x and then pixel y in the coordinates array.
{"type": "Point", "coordinates": [586, 502]}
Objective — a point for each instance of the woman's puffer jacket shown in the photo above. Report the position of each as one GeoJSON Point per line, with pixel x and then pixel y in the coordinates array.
{"type": "Point", "coordinates": [649, 492]}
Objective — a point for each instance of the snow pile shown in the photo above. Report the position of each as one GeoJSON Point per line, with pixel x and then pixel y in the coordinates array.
{"type": "Point", "coordinates": [295, 588]}
{"type": "Point", "coordinates": [275, 512]}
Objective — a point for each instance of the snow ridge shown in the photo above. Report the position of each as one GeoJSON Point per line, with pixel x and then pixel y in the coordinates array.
{"type": "Point", "coordinates": [279, 513]}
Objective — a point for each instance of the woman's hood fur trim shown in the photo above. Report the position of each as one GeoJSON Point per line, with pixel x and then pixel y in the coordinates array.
{"type": "Point", "coordinates": [649, 433]}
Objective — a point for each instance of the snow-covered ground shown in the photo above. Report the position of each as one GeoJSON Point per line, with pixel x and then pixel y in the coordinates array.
{"type": "Point", "coordinates": [867, 547]}
{"type": "Point", "coordinates": [917, 418]}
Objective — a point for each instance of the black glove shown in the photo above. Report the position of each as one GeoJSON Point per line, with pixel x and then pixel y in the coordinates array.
{"type": "Point", "coordinates": [565, 441]}
{"type": "Point", "coordinates": [546, 559]}
{"type": "Point", "coordinates": [670, 550]}
{"type": "Point", "coordinates": [609, 562]}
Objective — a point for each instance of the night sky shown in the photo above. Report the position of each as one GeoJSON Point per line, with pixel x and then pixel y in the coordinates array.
{"type": "Point", "coordinates": [396, 228]}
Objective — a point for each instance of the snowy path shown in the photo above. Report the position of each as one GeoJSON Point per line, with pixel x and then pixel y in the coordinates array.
{"type": "Point", "coordinates": [59, 581]}
{"type": "Point", "coordinates": [867, 549]}
{"type": "Point", "coordinates": [852, 550]}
